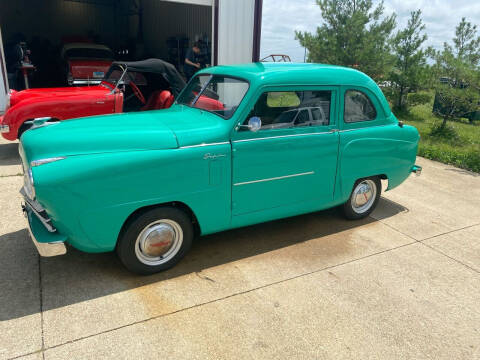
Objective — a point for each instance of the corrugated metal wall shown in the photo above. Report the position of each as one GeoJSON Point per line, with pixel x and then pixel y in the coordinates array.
{"type": "Point", "coordinates": [54, 19]}
{"type": "Point", "coordinates": [163, 19]}
{"type": "Point", "coordinates": [235, 31]}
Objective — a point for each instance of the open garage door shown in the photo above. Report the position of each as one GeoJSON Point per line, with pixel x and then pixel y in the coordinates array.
{"type": "Point", "coordinates": [228, 32]}
{"type": "Point", "coordinates": [131, 29]}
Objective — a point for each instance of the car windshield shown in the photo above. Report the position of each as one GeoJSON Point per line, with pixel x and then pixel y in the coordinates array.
{"type": "Point", "coordinates": [215, 93]}
{"type": "Point", "coordinates": [115, 75]}
{"type": "Point", "coordinates": [88, 53]}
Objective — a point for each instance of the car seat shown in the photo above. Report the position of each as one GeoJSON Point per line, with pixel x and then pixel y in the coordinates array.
{"type": "Point", "coordinates": [160, 99]}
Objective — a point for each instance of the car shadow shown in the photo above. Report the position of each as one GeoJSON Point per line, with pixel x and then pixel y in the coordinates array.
{"type": "Point", "coordinates": [77, 277]}
{"type": "Point", "coordinates": [9, 154]}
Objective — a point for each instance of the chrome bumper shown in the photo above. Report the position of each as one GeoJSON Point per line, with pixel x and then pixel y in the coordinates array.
{"type": "Point", "coordinates": [4, 128]}
{"type": "Point", "coordinates": [35, 220]}
{"type": "Point", "coordinates": [417, 169]}
{"type": "Point", "coordinates": [85, 82]}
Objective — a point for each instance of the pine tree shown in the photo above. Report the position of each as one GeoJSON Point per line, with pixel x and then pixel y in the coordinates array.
{"type": "Point", "coordinates": [353, 34]}
{"type": "Point", "coordinates": [410, 58]}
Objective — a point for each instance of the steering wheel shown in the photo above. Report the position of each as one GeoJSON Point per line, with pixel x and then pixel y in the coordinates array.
{"type": "Point", "coordinates": [137, 92]}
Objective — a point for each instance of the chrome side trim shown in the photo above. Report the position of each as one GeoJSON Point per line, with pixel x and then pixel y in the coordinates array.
{"type": "Point", "coordinates": [204, 144]}
{"type": "Point", "coordinates": [274, 178]}
{"type": "Point", "coordinates": [367, 127]}
{"type": "Point", "coordinates": [86, 82]}
{"type": "Point", "coordinates": [283, 136]}
{"type": "Point", "coordinates": [46, 161]}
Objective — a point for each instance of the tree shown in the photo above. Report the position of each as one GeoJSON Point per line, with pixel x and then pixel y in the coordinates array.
{"type": "Point", "coordinates": [410, 58]}
{"type": "Point", "coordinates": [458, 75]}
{"type": "Point", "coordinates": [458, 91]}
{"type": "Point", "coordinates": [467, 43]}
{"type": "Point", "coordinates": [353, 34]}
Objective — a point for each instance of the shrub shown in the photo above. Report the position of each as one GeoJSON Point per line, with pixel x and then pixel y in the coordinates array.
{"type": "Point", "coordinates": [418, 98]}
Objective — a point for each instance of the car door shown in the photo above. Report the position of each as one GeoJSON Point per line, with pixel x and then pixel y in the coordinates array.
{"type": "Point", "coordinates": [275, 168]}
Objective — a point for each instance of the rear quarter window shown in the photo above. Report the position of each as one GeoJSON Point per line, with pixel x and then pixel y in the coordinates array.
{"type": "Point", "coordinates": [358, 107]}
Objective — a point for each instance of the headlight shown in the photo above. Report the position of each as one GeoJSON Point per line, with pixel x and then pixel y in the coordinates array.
{"type": "Point", "coordinates": [29, 184]}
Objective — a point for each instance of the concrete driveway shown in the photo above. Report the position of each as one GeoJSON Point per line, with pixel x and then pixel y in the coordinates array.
{"type": "Point", "coordinates": [402, 284]}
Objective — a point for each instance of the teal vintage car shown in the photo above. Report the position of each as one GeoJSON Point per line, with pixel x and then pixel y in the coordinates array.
{"type": "Point", "coordinates": [267, 141]}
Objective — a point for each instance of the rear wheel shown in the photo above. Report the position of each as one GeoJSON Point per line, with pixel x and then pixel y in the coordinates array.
{"type": "Point", "coordinates": [363, 199]}
{"type": "Point", "coordinates": [155, 240]}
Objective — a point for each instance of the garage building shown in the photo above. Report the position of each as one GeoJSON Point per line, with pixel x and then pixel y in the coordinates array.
{"type": "Point", "coordinates": [134, 29]}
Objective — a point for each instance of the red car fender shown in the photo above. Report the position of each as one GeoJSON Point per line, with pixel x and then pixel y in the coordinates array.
{"type": "Point", "coordinates": [59, 104]}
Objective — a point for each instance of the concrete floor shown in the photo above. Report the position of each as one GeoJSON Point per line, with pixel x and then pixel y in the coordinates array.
{"type": "Point", "coordinates": [401, 284]}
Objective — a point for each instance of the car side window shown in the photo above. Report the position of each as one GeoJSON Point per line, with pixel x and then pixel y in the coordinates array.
{"type": "Point", "coordinates": [290, 109]}
{"type": "Point", "coordinates": [358, 107]}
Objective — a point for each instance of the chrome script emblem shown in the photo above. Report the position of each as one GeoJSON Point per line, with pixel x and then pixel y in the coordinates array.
{"type": "Point", "coordinates": [210, 156]}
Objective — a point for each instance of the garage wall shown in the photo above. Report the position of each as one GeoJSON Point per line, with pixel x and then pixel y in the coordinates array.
{"type": "Point", "coordinates": [235, 31]}
{"type": "Point", "coordinates": [3, 78]}
{"type": "Point", "coordinates": [56, 18]}
{"type": "Point", "coordinates": [163, 19]}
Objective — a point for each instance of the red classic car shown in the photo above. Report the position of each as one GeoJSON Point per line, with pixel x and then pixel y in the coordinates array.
{"type": "Point", "coordinates": [127, 86]}
{"type": "Point", "coordinates": [86, 63]}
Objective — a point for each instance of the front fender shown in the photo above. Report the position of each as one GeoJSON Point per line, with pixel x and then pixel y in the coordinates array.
{"type": "Point", "coordinates": [89, 197]}
{"type": "Point", "coordinates": [28, 110]}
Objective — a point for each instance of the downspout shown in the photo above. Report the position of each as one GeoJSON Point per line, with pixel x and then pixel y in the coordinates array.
{"type": "Point", "coordinates": [257, 30]}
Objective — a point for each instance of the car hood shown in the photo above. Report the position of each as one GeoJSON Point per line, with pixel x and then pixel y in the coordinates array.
{"type": "Point", "coordinates": [29, 94]}
{"type": "Point", "coordinates": [149, 130]}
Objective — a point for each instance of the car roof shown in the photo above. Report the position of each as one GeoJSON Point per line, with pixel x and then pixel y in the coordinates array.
{"type": "Point", "coordinates": [296, 73]}
{"type": "Point", "coordinates": [276, 74]}
{"type": "Point", "coordinates": [157, 66]}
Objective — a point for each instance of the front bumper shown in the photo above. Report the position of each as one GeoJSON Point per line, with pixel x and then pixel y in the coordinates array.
{"type": "Point", "coordinates": [48, 243]}
{"type": "Point", "coordinates": [417, 169]}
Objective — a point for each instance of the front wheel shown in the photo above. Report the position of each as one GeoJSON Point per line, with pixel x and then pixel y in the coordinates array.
{"type": "Point", "coordinates": [155, 240]}
{"type": "Point", "coordinates": [24, 127]}
{"type": "Point", "coordinates": [363, 199]}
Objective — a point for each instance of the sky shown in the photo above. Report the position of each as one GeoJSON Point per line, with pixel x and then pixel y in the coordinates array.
{"type": "Point", "coordinates": [282, 17]}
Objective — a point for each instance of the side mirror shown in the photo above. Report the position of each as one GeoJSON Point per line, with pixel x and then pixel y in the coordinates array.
{"type": "Point", "coordinates": [254, 124]}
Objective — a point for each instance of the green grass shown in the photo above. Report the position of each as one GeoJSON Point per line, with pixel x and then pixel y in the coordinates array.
{"type": "Point", "coordinates": [458, 146]}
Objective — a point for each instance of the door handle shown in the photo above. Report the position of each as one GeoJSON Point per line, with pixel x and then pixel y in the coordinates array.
{"type": "Point", "coordinates": [334, 130]}
{"type": "Point", "coordinates": [100, 102]}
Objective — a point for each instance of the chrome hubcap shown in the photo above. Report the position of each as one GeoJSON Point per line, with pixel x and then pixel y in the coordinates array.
{"type": "Point", "coordinates": [363, 196]}
{"type": "Point", "coordinates": [159, 242]}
